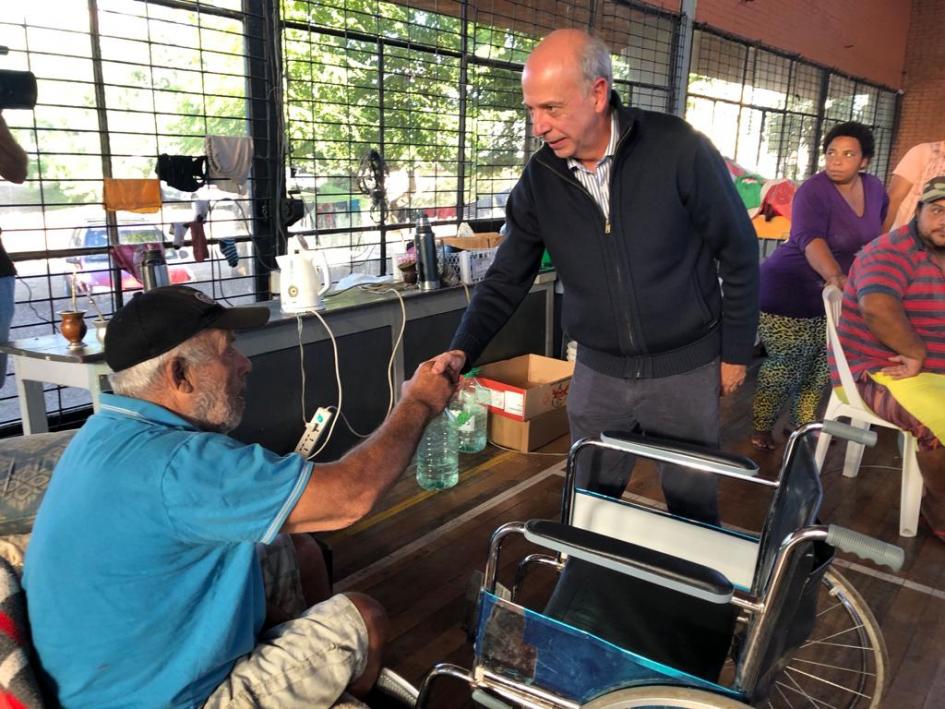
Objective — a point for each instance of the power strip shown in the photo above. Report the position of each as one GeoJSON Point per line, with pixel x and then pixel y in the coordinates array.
{"type": "Point", "coordinates": [313, 431]}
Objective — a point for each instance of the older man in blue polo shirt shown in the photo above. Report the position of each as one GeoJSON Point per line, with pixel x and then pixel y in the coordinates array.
{"type": "Point", "coordinates": [155, 551]}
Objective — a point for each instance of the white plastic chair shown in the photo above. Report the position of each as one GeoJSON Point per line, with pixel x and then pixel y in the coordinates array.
{"type": "Point", "coordinates": [861, 416]}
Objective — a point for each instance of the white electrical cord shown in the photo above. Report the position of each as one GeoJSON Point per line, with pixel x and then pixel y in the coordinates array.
{"type": "Point", "coordinates": [334, 348]}
{"type": "Point", "coordinates": [390, 376]}
{"type": "Point", "coordinates": [334, 345]}
{"type": "Point", "coordinates": [397, 342]}
{"type": "Point", "coordinates": [390, 362]}
{"type": "Point", "coordinates": [351, 428]}
{"type": "Point", "coordinates": [513, 450]}
{"type": "Point", "coordinates": [298, 324]}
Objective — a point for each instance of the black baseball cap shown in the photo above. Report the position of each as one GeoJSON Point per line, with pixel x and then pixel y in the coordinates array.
{"type": "Point", "coordinates": [158, 320]}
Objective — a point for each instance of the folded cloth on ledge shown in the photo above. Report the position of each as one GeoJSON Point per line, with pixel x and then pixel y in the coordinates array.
{"type": "Point", "coordinates": [229, 159]}
{"type": "Point", "coordinates": [132, 195]}
{"type": "Point", "coordinates": [360, 279]}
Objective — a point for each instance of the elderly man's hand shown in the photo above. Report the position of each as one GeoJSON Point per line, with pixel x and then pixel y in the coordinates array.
{"type": "Point", "coordinates": [449, 363]}
{"type": "Point", "coordinates": [732, 377]}
{"type": "Point", "coordinates": [430, 388]}
{"type": "Point", "coordinates": [903, 368]}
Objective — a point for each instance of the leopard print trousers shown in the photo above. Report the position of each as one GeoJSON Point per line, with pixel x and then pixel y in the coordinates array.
{"type": "Point", "coordinates": [795, 370]}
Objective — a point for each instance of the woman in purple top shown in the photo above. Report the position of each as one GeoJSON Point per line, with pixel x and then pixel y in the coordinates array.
{"type": "Point", "coordinates": [834, 214]}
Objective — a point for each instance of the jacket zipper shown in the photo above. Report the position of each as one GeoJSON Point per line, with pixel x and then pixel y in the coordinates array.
{"type": "Point", "coordinates": [617, 267]}
{"type": "Point", "coordinates": [607, 230]}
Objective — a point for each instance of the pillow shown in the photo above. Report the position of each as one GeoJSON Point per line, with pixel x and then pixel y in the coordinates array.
{"type": "Point", "coordinates": [18, 685]}
{"type": "Point", "coordinates": [23, 485]}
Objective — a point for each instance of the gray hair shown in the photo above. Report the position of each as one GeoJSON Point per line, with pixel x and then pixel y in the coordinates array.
{"type": "Point", "coordinates": [595, 62]}
{"type": "Point", "coordinates": [144, 377]}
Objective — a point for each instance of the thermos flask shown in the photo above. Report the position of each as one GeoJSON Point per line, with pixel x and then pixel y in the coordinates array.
{"type": "Point", "coordinates": [153, 269]}
{"type": "Point", "coordinates": [428, 272]}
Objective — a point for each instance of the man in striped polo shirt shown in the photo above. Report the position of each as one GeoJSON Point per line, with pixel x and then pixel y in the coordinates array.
{"type": "Point", "coordinates": [892, 329]}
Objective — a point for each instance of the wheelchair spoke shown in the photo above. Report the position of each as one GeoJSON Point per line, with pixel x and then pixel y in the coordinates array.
{"type": "Point", "coordinates": [832, 667]}
{"type": "Point", "coordinates": [816, 703]}
{"type": "Point", "coordinates": [777, 686]}
{"type": "Point", "coordinates": [800, 690]}
{"type": "Point", "coordinates": [855, 628]}
{"type": "Point", "coordinates": [864, 648]}
{"type": "Point", "coordinates": [826, 681]}
{"type": "Point", "coordinates": [831, 608]}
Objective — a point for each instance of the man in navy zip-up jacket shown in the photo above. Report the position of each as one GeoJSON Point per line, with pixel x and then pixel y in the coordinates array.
{"type": "Point", "coordinates": [641, 219]}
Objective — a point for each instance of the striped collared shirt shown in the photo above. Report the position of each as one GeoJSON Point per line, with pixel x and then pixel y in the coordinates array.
{"type": "Point", "coordinates": [598, 181]}
{"type": "Point", "coordinates": [896, 264]}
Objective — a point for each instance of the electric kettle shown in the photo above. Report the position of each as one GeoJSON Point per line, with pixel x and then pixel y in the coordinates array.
{"type": "Point", "coordinates": [304, 277]}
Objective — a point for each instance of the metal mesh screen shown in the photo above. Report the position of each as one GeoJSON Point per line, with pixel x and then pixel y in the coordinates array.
{"type": "Point", "coordinates": [768, 111]}
{"type": "Point", "coordinates": [387, 108]}
{"type": "Point", "coordinates": [121, 81]}
{"type": "Point", "coordinates": [395, 108]}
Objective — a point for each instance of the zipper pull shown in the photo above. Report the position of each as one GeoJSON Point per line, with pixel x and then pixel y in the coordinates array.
{"type": "Point", "coordinates": [607, 226]}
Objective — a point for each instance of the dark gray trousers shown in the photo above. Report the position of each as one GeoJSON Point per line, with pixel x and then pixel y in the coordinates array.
{"type": "Point", "coordinates": [683, 406]}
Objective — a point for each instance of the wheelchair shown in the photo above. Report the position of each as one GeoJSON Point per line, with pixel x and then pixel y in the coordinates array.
{"type": "Point", "coordinates": [751, 620]}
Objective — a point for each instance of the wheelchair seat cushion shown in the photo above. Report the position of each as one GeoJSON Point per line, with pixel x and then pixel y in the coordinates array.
{"type": "Point", "coordinates": [18, 685]}
{"type": "Point", "coordinates": [666, 626]}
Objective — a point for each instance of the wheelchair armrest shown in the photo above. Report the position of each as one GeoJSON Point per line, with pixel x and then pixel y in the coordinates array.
{"type": "Point", "coordinates": [646, 564]}
{"type": "Point", "coordinates": [685, 454]}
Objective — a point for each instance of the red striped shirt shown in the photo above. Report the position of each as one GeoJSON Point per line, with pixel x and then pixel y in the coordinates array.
{"type": "Point", "coordinates": [899, 265]}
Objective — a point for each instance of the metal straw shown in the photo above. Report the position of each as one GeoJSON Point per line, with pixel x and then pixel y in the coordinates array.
{"type": "Point", "coordinates": [95, 307]}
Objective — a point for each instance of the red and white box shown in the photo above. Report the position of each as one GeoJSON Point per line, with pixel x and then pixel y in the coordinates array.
{"type": "Point", "coordinates": [525, 387]}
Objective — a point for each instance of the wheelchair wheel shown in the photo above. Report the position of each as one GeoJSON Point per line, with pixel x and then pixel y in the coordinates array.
{"type": "Point", "coordinates": [663, 696]}
{"type": "Point", "coordinates": [843, 664]}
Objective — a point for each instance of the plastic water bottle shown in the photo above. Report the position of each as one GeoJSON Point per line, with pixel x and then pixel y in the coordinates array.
{"type": "Point", "coordinates": [437, 455]}
{"type": "Point", "coordinates": [471, 421]}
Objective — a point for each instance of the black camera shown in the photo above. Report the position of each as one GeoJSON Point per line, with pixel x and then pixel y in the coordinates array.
{"type": "Point", "coordinates": [17, 88]}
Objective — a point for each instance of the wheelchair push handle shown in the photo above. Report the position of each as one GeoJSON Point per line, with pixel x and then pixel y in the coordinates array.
{"type": "Point", "coordinates": [865, 547]}
{"type": "Point", "coordinates": [863, 436]}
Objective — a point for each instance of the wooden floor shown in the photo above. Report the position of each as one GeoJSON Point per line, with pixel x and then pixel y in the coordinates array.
{"type": "Point", "coordinates": [417, 551]}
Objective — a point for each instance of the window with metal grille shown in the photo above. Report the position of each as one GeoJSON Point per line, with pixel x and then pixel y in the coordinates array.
{"type": "Point", "coordinates": [769, 112]}
{"type": "Point", "coordinates": [384, 109]}
{"type": "Point", "coordinates": [120, 82]}
{"type": "Point", "coordinates": [396, 108]}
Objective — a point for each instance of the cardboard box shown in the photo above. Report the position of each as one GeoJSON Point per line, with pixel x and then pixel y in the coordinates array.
{"type": "Point", "coordinates": [485, 240]}
{"type": "Point", "coordinates": [528, 435]}
{"type": "Point", "coordinates": [525, 387]}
